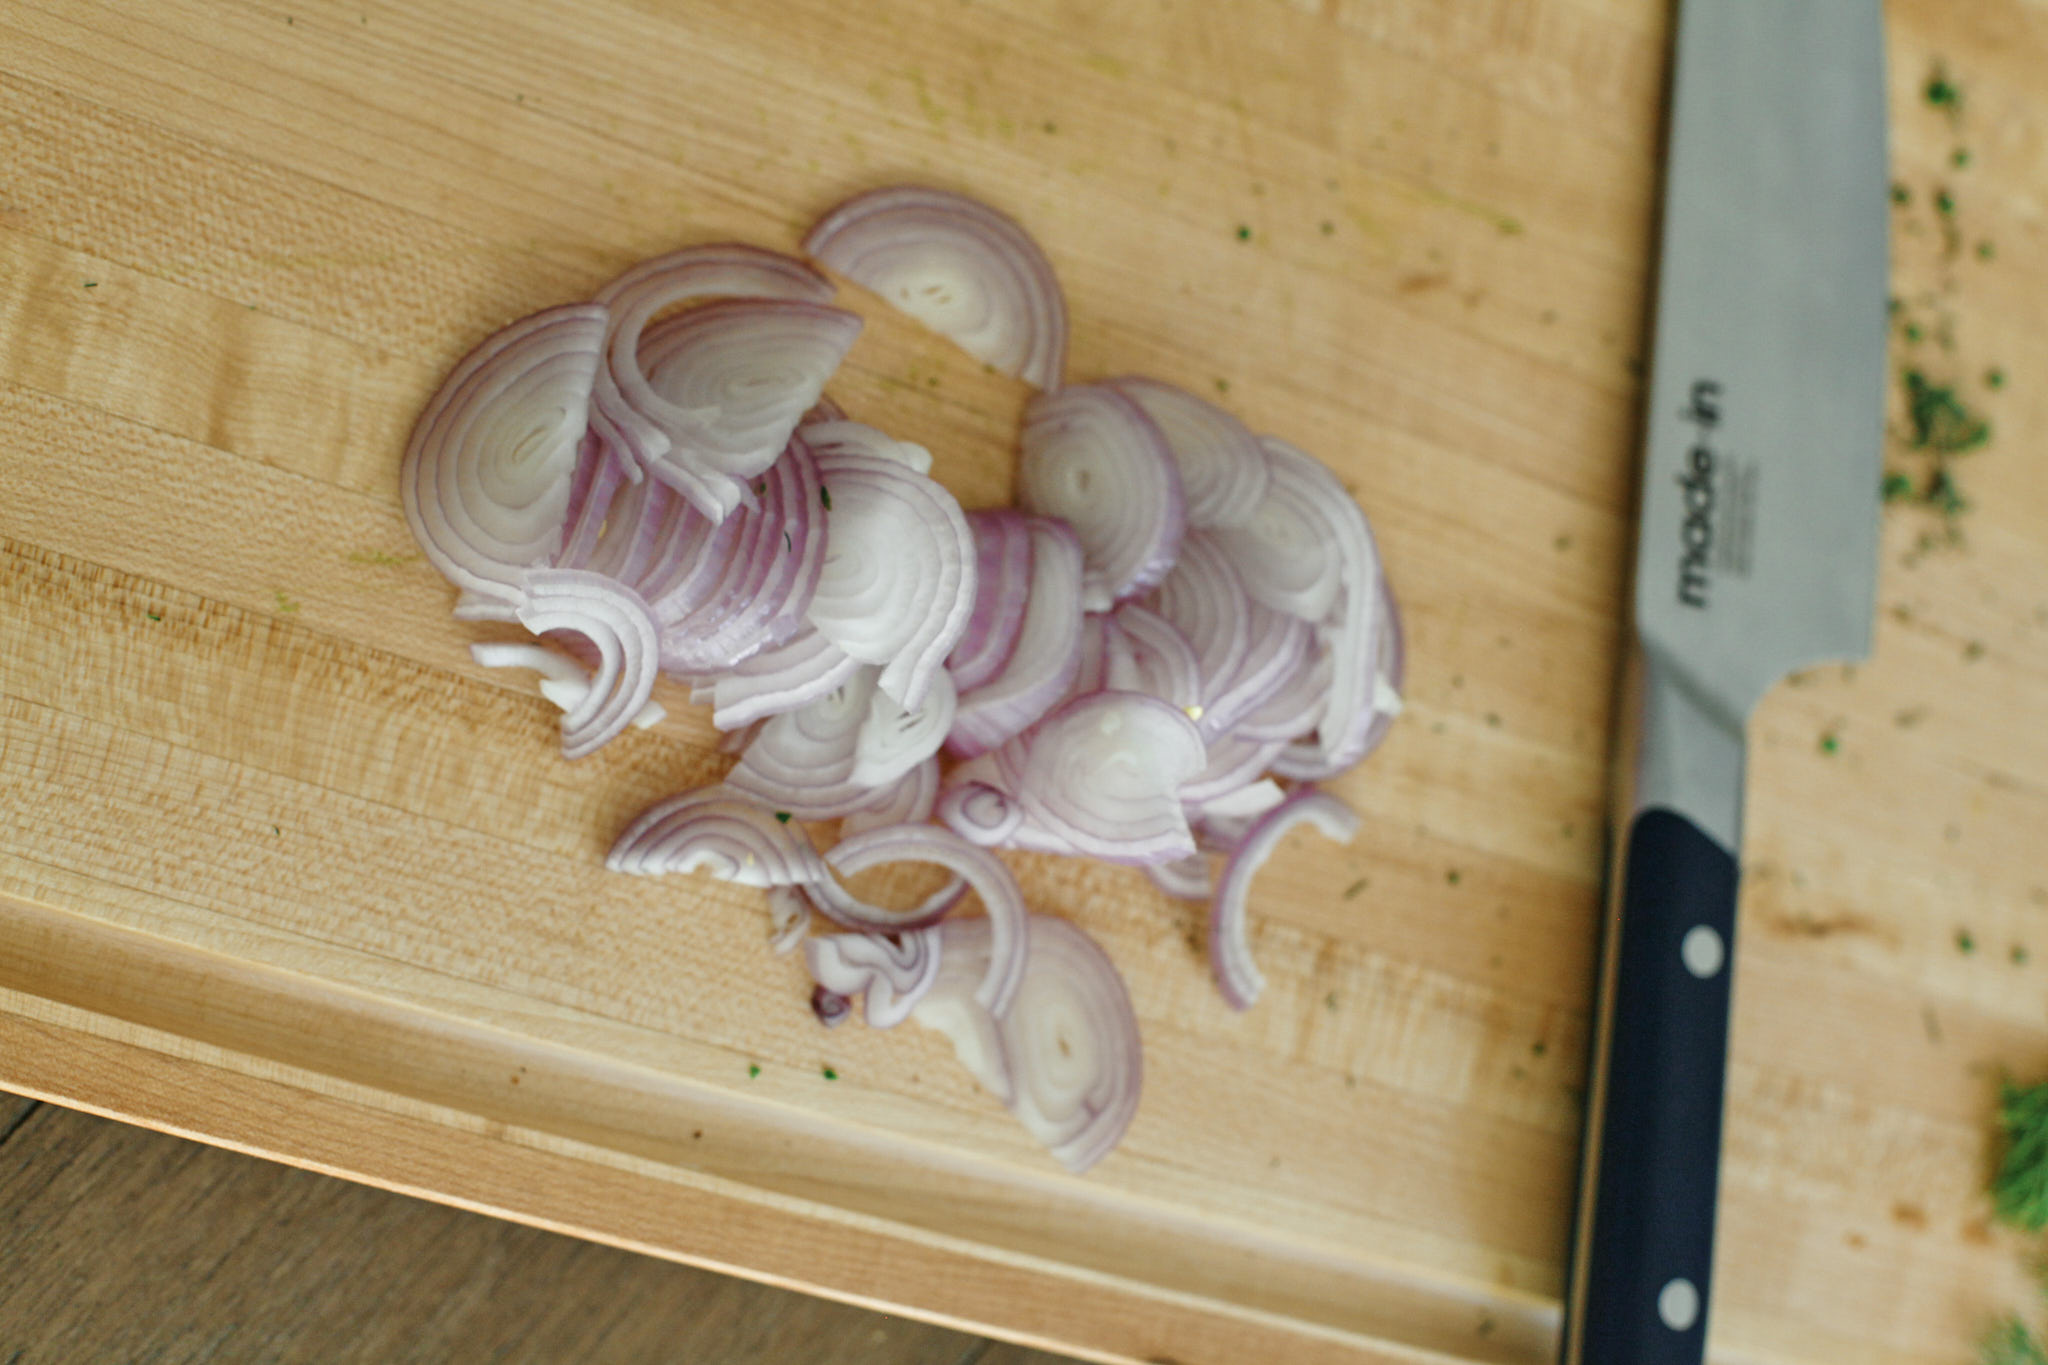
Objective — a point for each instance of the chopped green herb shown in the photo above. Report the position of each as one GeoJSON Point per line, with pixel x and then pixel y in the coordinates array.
{"type": "Point", "coordinates": [1897, 486]}
{"type": "Point", "coordinates": [1244, 232]}
{"type": "Point", "coordinates": [1964, 942]}
{"type": "Point", "coordinates": [2019, 955]}
{"type": "Point", "coordinates": [1453, 876]}
{"type": "Point", "coordinates": [277, 831]}
{"type": "Point", "coordinates": [1329, 228]}
{"type": "Point", "coordinates": [1973, 651]}
{"type": "Point", "coordinates": [1351, 891]}
{"type": "Point", "coordinates": [1994, 378]}
{"type": "Point", "coordinates": [1938, 419]}
{"type": "Point", "coordinates": [1942, 493]}
{"type": "Point", "coordinates": [155, 615]}
{"type": "Point", "coordinates": [753, 1069]}
{"type": "Point", "coordinates": [825, 496]}
{"type": "Point", "coordinates": [1959, 158]}
{"type": "Point", "coordinates": [1223, 386]}
{"type": "Point", "coordinates": [1538, 1048]}
{"type": "Point", "coordinates": [284, 603]}
{"type": "Point", "coordinates": [1051, 127]}
{"type": "Point", "coordinates": [1901, 195]}
{"type": "Point", "coordinates": [1944, 202]}
{"type": "Point", "coordinates": [92, 284]}
{"type": "Point", "coordinates": [830, 1074]}
{"type": "Point", "coordinates": [2019, 1192]}
{"type": "Point", "coordinates": [761, 488]}
{"type": "Point", "coordinates": [786, 545]}
{"type": "Point", "coordinates": [2011, 1343]}
{"type": "Point", "coordinates": [1942, 92]}
{"type": "Point", "coordinates": [1330, 1002]}
{"type": "Point", "coordinates": [782, 816]}
{"type": "Point", "coordinates": [1912, 332]}
{"type": "Point", "coordinates": [1985, 250]}
{"type": "Point", "coordinates": [1829, 744]}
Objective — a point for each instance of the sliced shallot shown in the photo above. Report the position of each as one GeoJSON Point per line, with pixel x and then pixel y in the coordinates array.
{"type": "Point", "coordinates": [959, 267]}
{"type": "Point", "coordinates": [1104, 775]}
{"type": "Point", "coordinates": [1223, 468]}
{"type": "Point", "coordinates": [898, 583]}
{"type": "Point", "coordinates": [487, 474]}
{"type": "Point", "coordinates": [1066, 1057]}
{"type": "Point", "coordinates": [1094, 459]}
{"type": "Point", "coordinates": [1002, 579]}
{"type": "Point", "coordinates": [734, 837]}
{"type": "Point", "coordinates": [1042, 663]}
{"type": "Point", "coordinates": [1230, 951]}
{"type": "Point", "coordinates": [889, 972]}
{"type": "Point", "coordinates": [613, 623]}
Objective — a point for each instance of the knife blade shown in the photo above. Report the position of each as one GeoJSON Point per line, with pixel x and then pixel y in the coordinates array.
{"type": "Point", "coordinates": [1756, 554]}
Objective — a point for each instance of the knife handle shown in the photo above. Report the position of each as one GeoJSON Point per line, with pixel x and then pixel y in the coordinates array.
{"type": "Point", "coordinates": [1643, 1256]}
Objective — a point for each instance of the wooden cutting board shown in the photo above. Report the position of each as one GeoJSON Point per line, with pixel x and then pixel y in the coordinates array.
{"type": "Point", "coordinates": [281, 869]}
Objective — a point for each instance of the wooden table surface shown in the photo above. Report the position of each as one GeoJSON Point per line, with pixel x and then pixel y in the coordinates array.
{"type": "Point", "coordinates": [129, 1245]}
{"type": "Point", "coordinates": [280, 869]}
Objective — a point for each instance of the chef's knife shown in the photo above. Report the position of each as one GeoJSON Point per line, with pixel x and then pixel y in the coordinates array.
{"type": "Point", "coordinates": [1756, 554]}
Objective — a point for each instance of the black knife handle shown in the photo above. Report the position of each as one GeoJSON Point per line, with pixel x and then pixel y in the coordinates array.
{"type": "Point", "coordinates": [1661, 1051]}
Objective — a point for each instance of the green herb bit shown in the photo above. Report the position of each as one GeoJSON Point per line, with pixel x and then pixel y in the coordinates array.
{"type": "Point", "coordinates": [1944, 202]}
{"type": "Point", "coordinates": [1912, 333]}
{"type": "Point", "coordinates": [155, 615]}
{"type": "Point", "coordinates": [1994, 378]}
{"type": "Point", "coordinates": [1938, 419]}
{"type": "Point", "coordinates": [1986, 251]}
{"type": "Point", "coordinates": [1959, 158]}
{"type": "Point", "coordinates": [753, 1070]}
{"type": "Point", "coordinates": [1897, 486]}
{"type": "Point", "coordinates": [1901, 195]}
{"type": "Point", "coordinates": [2019, 954]}
{"type": "Point", "coordinates": [2019, 1192]}
{"type": "Point", "coordinates": [1351, 891]}
{"type": "Point", "coordinates": [782, 817]}
{"type": "Point", "coordinates": [1942, 93]}
{"type": "Point", "coordinates": [1943, 495]}
{"type": "Point", "coordinates": [92, 284]}
{"type": "Point", "coordinates": [1830, 743]}
{"type": "Point", "coordinates": [825, 496]}
{"type": "Point", "coordinates": [830, 1074]}
{"type": "Point", "coordinates": [1967, 944]}
{"type": "Point", "coordinates": [1223, 386]}
{"type": "Point", "coordinates": [1453, 876]}
{"type": "Point", "coordinates": [1329, 228]}
{"type": "Point", "coordinates": [2011, 1343]}
{"type": "Point", "coordinates": [1244, 232]}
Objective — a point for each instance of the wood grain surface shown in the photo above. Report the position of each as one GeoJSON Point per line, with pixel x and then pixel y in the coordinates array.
{"type": "Point", "coordinates": [281, 869]}
{"type": "Point", "coordinates": [125, 1244]}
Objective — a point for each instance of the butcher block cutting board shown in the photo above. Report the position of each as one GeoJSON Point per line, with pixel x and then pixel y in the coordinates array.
{"type": "Point", "coordinates": [281, 869]}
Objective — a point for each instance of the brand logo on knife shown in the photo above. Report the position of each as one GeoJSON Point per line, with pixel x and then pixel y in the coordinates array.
{"type": "Point", "coordinates": [1696, 477]}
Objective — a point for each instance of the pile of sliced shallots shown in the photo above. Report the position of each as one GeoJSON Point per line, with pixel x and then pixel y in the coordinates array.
{"type": "Point", "coordinates": [1177, 614]}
